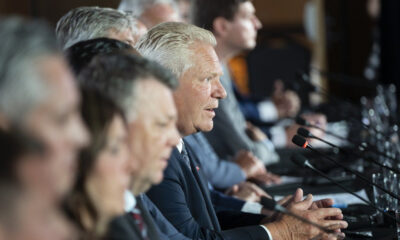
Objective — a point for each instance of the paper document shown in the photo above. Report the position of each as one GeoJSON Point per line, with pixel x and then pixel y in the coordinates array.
{"type": "Point", "coordinates": [339, 198]}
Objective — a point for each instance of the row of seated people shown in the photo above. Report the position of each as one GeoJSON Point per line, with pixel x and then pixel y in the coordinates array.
{"type": "Point", "coordinates": [135, 140]}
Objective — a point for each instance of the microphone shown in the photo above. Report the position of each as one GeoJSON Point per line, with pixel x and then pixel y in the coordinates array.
{"type": "Point", "coordinates": [272, 205]}
{"type": "Point", "coordinates": [300, 160]}
{"type": "Point", "coordinates": [363, 146]}
{"type": "Point", "coordinates": [302, 142]}
{"type": "Point", "coordinates": [301, 121]}
{"type": "Point", "coordinates": [318, 89]}
{"type": "Point", "coordinates": [307, 134]}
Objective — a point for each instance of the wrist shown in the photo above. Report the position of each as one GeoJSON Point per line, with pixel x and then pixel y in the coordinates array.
{"type": "Point", "coordinates": [279, 230]}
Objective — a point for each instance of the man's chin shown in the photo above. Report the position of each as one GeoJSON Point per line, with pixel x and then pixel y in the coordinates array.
{"type": "Point", "coordinates": [206, 127]}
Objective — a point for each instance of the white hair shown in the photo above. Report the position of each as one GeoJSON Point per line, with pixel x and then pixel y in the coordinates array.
{"type": "Point", "coordinates": [85, 23]}
{"type": "Point", "coordinates": [137, 7]}
{"type": "Point", "coordinates": [21, 82]}
{"type": "Point", "coordinates": [171, 44]}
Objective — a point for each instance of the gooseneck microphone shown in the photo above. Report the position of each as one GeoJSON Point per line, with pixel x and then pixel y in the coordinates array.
{"type": "Point", "coordinates": [307, 134]}
{"type": "Point", "coordinates": [301, 121]}
{"type": "Point", "coordinates": [302, 142]}
{"type": "Point", "coordinates": [300, 160]}
{"type": "Point", "coordinates": [363, 147]}
{"type": "Point", "coordinates": [272, 205]}
{"type": "Point", "coordinates": [324, 92]}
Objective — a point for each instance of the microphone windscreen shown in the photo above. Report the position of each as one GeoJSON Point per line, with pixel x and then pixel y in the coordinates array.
{"type": "Point", "coordinates": [268, 203]}
{"type": "Point", "coordinates": [299, 159]}
{"type": "Point", "coordinates": [304, 133]}
{"type": "Point", "coordinates": [301, 121]}
{"type": "Point", "coordinates": [299, 141]}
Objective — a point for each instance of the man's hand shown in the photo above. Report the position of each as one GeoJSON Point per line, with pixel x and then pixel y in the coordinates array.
{"type": "Point", "coordinates": [287, 227]}
{"type": "Point", "coordinates": [254, 168]}
{"type": "Point", "coordinates": [255, 133]}
{"type": "Point", "coordinates": [286, 102]}
{"type": "Point", "coordinates": [316, 119]}
{"type": "Point", "coordinates": [266, 178]}
{"type": "Point", "coordinates": [248, 163]}
{"type": "Point", "coordinates": [247, 191]}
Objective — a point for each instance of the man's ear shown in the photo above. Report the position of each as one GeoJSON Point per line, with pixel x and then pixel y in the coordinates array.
{"type": "Point", "coordinates": [221, 26]}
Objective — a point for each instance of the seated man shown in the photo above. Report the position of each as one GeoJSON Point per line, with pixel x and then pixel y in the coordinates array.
{"type": "Point", "coordinates": [86, 23]}
{"type": "Point", "coordinates": [134, 82]}
{"type": "Point", "coordinates": [183, 195]}
{"type": "Point", "coordinates": [235, 26]}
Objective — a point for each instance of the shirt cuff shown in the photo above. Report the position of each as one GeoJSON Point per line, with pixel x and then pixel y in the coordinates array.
{"type": "Point", "coordinates": [267, 111]}
{"type": "Point", "coordinates": [278, 135]}
{"type": "Point", "coordinates": [252, 207]}
{"type": "Point", "coordinates": [266, 229]}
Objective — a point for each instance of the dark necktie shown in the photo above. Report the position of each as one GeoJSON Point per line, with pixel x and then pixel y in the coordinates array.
{"type": "Point", "coordinates": [185, 155]}
{"type": "Point", "coordinates": [140, 222]}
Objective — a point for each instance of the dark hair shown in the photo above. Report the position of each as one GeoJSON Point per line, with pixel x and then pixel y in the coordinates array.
{"type": "Point", "coordinates": [80, 54]}
{"type": "Point", "coordinates": [204, 12]}
{"type": "Point", "coordinates": [98, 112]}
{"type": "Point", "coordinates": [116, 75]}
{"type": "Point", "coordinates": [14, 145]}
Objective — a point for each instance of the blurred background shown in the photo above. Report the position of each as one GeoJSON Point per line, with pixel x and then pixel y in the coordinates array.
{"type": "Point", "coordinates": [343, 45]}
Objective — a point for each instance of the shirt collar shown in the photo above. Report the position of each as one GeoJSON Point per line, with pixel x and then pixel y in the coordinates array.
{"type": "Point", "coordinates": [180, 145]}
{"type": "Point", "coordinates": [130, 201]}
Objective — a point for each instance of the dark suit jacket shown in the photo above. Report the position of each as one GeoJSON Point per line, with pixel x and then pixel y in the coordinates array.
{"type": "Point", "coordinates": [125, 228]}
{"type": "Point", "coordinates": [166, 229]}
{"type": "Point", "coordinates": [184, 199]}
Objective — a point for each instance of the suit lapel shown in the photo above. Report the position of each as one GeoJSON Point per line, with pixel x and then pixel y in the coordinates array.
{"type": "Point", "coordinates": [201, 180]}
{"type": "Point", "coordinates": [151, 226]}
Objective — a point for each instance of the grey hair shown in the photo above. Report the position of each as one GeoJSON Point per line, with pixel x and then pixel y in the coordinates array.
{"type": "Point", "coordinates": [171, 44]}
{"type": "Point", "coordinates": [22, 87]}
{"type": "Point", "coordinates": [85, 23]}
{"type": "Point", "coordinates": [137, 7]}
{"type": "Point", "coordinates": [117, 74]}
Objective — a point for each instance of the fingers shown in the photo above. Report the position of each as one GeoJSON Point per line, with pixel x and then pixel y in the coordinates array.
{"type": "Point", "coordinates": [286, 200]}
{"type": "Point", "coordinates": [234, 189]}
{"type": "Point", "coordinates": [323, 213]}
{"type": "Point", "coordinates": [334, 224]}
{"type": "Point", "coordinates": [323, 203]}
{"type": "Point", "coordinates": [305, 204]}
{"type": "Point", "coordinates": [298, 195]}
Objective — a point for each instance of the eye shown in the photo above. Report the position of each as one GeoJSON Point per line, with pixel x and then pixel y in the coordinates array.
{"type": "Point", "coordinates": [208, 79]}
{"type": "Point", "coordinates": [162, 124]}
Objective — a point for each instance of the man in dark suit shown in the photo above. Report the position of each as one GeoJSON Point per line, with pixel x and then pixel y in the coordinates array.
{"type": "Point", "coordinates": [183, 196]}
{"type": "Point", "coordinates": [133, 82]}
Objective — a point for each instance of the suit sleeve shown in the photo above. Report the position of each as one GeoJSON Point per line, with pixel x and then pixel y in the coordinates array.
{"type": "Point", "coordinates": [170, 198]}
{"type": "Point", "coordinates": [220, 173]}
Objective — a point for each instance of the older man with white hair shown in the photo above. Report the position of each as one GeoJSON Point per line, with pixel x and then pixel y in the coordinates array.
{"type": "Point", "coordinates": [183, 196]}
{"type": "Point", "coordinates": [85, 23]}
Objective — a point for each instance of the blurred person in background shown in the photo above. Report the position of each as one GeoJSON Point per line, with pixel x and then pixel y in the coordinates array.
{"type": "Point", "coordinates": [85, 23]}
{"type": "Point", "coordinates": [38, 97]}
{"type": "Point", "coordinates": [235, 27]}
{"type": "Point", "coordinates": [152, 12]}
{"type": "Point", "coordinates": [103, 170]}
{"type": "Point", "coordinates": [25, 213]}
